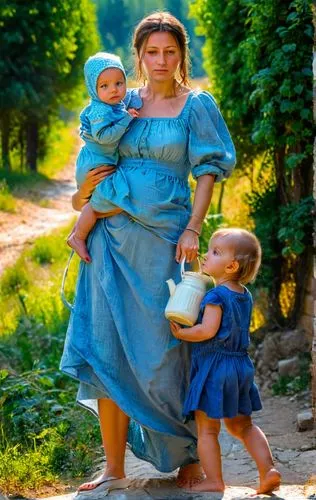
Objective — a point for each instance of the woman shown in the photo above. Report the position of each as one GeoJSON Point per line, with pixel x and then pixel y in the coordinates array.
{"type": "Point", "coordinates": [132, 372]}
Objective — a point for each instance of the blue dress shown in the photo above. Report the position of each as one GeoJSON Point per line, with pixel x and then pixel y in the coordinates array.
{"type": "Point", "coordinates": [222, 374]}
{"type": "Point", "coordinates": [118, 343]}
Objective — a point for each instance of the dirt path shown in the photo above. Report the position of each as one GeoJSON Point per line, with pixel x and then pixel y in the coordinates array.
{"type": "Point", "coordinates": [39, 210]}
{"type": "Point", "coordinates": [294, 453]}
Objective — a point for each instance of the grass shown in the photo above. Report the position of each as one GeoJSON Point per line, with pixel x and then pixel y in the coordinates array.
{"type": "Point", "coordinates": [7, 201]}
{"type": "Point", "coordinates": [61, 146]}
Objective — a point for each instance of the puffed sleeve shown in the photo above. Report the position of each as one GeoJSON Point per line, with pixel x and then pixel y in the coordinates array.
{"type": "Point", "coordinates": [213, 298]}
{"type": "Point", "coordinates": [108, 123]}
{"type": "Point", "coordinates": [210, 150]}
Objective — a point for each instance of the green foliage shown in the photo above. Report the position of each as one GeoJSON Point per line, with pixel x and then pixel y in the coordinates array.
{"type": "Point", "coordinates": [296, 226]}
{"type": "Point", "coordinates": [14, 280]}
{"type": "Point", "coordinates": [7, 201]}
{"type": "Point", "coordinates": [18, 466]}
{"type": "Point", "coordinates": [223, 25]}
{"type": "Point", "coordinates": [45, 251]}
{"type": "Point", "coordinates": [38, 415]}
{"type": "Point", "coordinates": [258, 57]}
{"type": "Point", "coordinates": [287, 385]}
{"type": "Point", "coordinates": [266, 219]}
{"type": "Point", "coordinates": [282, 86]}
{"type": "Point", "coordinates": [118, 18]}
{"type": "Point", "coordinates": [46, 45]}
{"type": "Point", "coordinates": [212, 222]}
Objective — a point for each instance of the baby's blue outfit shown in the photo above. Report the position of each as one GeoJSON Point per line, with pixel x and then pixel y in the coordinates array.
{"type": "Point", "coordinates": [118, 343]}
{"type": "Point", "coordinates": [222, 374]}
{"type": "Point", "coordinates": [102, 125]}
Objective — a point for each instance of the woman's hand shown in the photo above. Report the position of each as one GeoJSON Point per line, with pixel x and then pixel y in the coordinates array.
{"type": "Point", "coordinates": [94, 177]}
{"type": "Point", "coordinates": [187, 247]}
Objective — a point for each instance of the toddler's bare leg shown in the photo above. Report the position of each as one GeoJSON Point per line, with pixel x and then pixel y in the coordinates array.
{"type": "Point", "coordinates": [209, 453]}
{"type": "Point", "coordinates": [78, 236]}
{"type": "Point", "coordinates": [257, 445]}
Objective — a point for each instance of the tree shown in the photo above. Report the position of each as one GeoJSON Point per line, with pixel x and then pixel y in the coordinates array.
{"type": "Point", "coordinates": [258, 58]}
{"type": "Point", "coordinates": [44, 44]}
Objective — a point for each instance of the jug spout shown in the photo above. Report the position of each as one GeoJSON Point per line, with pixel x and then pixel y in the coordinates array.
{"type": "Point", "coordinates": [172, 286]}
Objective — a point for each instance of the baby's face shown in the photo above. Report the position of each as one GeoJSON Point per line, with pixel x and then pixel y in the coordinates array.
{"type": "Point", "coordinates": [111, 86]}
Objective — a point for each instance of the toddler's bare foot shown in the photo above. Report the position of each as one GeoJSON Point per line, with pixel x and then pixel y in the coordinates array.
{"type": "Point", "coordinates": [270, 482]}
{"type": "Point", "coordinates": [208, 485]}
{"type": "Point", "coordinates": [79, 246]}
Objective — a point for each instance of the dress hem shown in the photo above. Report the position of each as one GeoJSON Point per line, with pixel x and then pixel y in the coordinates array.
{"type": "Point", "coordinates": [139, 455]}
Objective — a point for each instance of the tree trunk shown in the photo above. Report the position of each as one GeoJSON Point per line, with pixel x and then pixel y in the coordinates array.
{"type": "Point", "coordinates": [314, 337]}
{"type": "Point", "coordinates": [220, 199]}
{"type": "Point", "coordinates": [31, 143]}
{"type": "Point", "coordinates": [21, 146]}
{"type": "Point", "coordinates": [5, 140]}
{"type": "Point", "coordinates": [280, 264]}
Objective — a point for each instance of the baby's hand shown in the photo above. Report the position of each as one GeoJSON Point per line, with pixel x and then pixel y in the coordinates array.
{"type": "Point", "coordinates": [175, 329]}
{"type": "Point", "coordinates": [133, 112]}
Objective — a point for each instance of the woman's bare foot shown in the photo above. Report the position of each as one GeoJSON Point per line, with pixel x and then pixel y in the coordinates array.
{"type": "Point", "coordinates": [79, 246]}
{"type": "Point", "coordinates": [270, 482]}
{"type": "Point", "coordinates": [208, 485]}
{"type": "Point", "coordinates": [189, 475]}
{"type": "Point", "coordinates": [109, 481]}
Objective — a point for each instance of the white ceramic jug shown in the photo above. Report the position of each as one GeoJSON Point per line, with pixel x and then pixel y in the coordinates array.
{"type": "Point", "coordinates": [185, 298]}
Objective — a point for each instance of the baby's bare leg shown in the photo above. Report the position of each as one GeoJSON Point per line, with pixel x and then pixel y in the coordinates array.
{"type": "Point", "coordinates": [102, 215]}
{"type": "Point", "coordinates": [209, 453]}
{"type": "Point", "coordinates": [79, 234]}
{"type": "Point", "coordinates": [257, 445]}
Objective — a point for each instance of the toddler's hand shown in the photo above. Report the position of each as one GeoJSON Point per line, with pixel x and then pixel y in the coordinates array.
{"type": "Point", "coordinates": [133, 112]}
{"type": "Point", "coordinates": [175, 329]}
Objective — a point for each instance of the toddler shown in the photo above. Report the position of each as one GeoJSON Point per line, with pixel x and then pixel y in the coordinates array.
{"type": "Point", "coordinates": [222, 374]}
{"type": "Point", "coordinates": [103, 122]}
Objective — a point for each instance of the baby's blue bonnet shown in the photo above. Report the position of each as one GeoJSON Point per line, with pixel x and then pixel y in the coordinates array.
{"type": "Point", "coordinates": [95, 65]}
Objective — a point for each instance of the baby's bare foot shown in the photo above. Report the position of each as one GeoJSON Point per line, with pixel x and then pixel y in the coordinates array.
{"type": "Point", "coordinates": [208, 485]}
{"type": "Point", "coordinates": [270, 482]}
{"type": "Point", "coordinates": [79, 246]}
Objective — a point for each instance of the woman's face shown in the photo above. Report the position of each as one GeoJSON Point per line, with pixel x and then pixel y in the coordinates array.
{"type": "Point", "coordinates": [161, 57]}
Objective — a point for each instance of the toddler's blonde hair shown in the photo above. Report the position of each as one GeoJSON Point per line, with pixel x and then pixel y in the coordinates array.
{"type": "Point", "coordinates": [247, 252]}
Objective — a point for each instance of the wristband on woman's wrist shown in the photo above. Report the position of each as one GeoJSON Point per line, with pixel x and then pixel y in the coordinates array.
{"type": "Point", "coordinates": [193, 230]}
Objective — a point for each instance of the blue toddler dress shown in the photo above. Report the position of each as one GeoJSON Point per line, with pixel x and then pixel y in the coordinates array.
{"type": "Point", "coordinates": [119, 344]}
{"type": "Point", "coordinates": [222, 374]}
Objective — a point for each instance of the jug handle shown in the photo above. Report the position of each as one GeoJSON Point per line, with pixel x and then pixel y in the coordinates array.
{"type": "Point", "coordinates": [182, 267]}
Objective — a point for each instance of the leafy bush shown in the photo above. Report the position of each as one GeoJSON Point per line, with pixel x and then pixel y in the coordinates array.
{"type": "Point", "coordinates": [43, 431]}
{"type": "Point", "coordinates": [45, 251]}
{"type": "Point", "coordinates": [14, 280]}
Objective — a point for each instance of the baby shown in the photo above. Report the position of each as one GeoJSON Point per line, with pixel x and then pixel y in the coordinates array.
{"type": "Point", "coordinates": [103, 122]}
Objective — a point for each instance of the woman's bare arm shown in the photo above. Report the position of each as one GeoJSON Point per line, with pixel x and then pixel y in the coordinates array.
{"type": "Point", "coordinates": [188, 244]}
{"type": "Point", "coordinates": [94, 177]}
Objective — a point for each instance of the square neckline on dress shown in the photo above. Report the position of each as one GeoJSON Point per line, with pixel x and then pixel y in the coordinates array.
{"type": "Point", "coordinates": [190, 93]}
